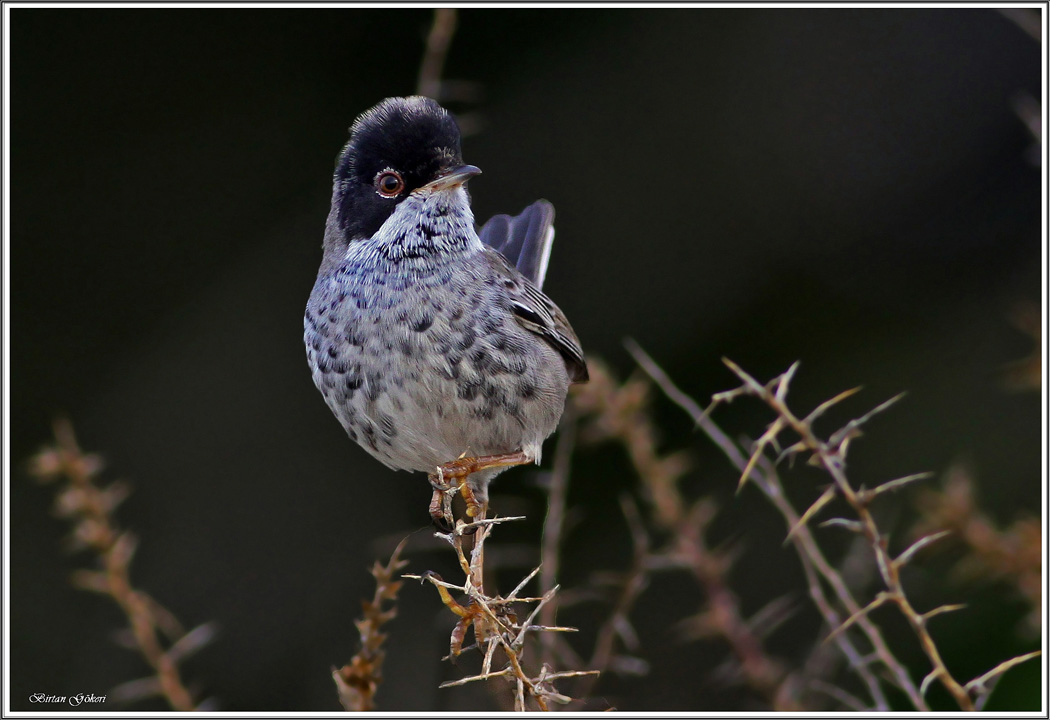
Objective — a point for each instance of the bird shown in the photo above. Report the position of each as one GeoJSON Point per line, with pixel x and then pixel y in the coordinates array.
{"type": "Point", "coordinates": [431, 340]}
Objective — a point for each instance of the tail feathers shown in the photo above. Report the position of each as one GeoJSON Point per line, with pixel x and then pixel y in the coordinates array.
{"type": "Point", "coordinates": [525, 239]}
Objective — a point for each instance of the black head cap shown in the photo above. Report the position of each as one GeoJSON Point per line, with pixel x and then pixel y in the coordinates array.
{"type": "Point", "coordinates": [412, 137]}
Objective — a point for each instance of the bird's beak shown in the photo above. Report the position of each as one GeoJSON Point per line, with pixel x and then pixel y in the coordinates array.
{"type": "Point", "coordinates": [453, 178]}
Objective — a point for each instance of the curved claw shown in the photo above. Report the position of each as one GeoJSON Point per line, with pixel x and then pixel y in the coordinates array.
{"type": "Point", "coordinates": [441, 506]}
{"type": "Point", "coordinates": [442, 525]}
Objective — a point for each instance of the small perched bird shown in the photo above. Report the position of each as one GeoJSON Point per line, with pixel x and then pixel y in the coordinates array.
{"type": "Point", "coordinates": [431, 341]}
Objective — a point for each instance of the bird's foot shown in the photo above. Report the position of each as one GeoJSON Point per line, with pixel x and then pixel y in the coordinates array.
{"type": "Point", "coordinates": [452, 477]}
{"type": "Point", "coordinates": [441, 502]}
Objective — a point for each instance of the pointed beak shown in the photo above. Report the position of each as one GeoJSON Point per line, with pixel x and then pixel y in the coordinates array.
{"type": "Point", "coordinates": [453, 178]}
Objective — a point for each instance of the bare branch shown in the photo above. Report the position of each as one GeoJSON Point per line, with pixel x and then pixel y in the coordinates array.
{"type": "Point", "coordinates": [905, 557]}
{"type": "Point", "coordinates": [358, 680]}
{"type": "Point", "coordinates": [867, 496]}
{"type": "Point", "coordinates": [978, 685]}
{"type": "Point", "coordinates": [827, 404]}
{"type": "Point", "coordinates": [827, 496]}
{"type": "Point", "coordinates": [851, 525]}
{"type": "Point", "coordinates": [880, 600]}
{"type": "Point", "coordinates": [505, 672]}
{"type": "Point", "coordinates": [850, 429]}
{"type": "Point", "coordinates": [941, 610]}
{"type": "Point", "coordinates": [438, 41]}
{"type": "Point", "coordinates": [89, 508]}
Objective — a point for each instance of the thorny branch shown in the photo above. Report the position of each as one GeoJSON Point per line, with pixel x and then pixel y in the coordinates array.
{"type": "Point", "coordinates": [830, 455]}
{"type": "Point", "coordinates": [619, 412]}
{"type": "Point", "coordinates": [90, 509]}
{"type": "Point", "coordinates": [499, 633]}
{"type": "Point", "coordinates": [358, 680]}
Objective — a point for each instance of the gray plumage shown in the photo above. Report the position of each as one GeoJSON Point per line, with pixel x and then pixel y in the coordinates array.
{"type": "Point", "coordinates": [426, 343]}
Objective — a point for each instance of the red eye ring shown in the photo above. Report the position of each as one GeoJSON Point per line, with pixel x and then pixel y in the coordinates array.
{"type": "Point", "coordinates": [389, 183]}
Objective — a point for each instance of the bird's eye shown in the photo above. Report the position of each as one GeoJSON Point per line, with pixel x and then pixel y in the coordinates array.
{"type": "Point", "coordinates": [388, 183]}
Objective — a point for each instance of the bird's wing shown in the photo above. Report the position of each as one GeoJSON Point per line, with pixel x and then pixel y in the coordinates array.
{"type": "Point", "coordinates": [525, 239]}
{"type": "Point", "coordinates": [537, 313]}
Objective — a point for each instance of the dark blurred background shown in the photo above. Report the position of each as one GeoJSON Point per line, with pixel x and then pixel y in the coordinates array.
{"type": "Point", "coordinates": [851, 188]}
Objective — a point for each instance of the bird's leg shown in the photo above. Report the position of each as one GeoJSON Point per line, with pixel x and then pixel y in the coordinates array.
{"type": "Point", "coordinates": [475, 509]}
{"type": "Point", "coordinates": [461, 469]}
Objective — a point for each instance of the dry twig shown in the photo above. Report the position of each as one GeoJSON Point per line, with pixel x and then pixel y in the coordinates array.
{"type": "Point", "coordinates": [358, 680]}
{"type": "Point", "coordinates": [499, 633]}
{"type": "Point", "coordinates": [620, 412]}
{"type": "Point", "coordinates": [90, 509]}
{"type": "Point", "coordinates": [438, 41]}
{"type": "Point", "coordinates": [830, 454]}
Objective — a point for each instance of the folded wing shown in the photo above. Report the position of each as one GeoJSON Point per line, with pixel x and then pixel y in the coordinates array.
{"type": "Point", "coordinates": [537, 313]}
